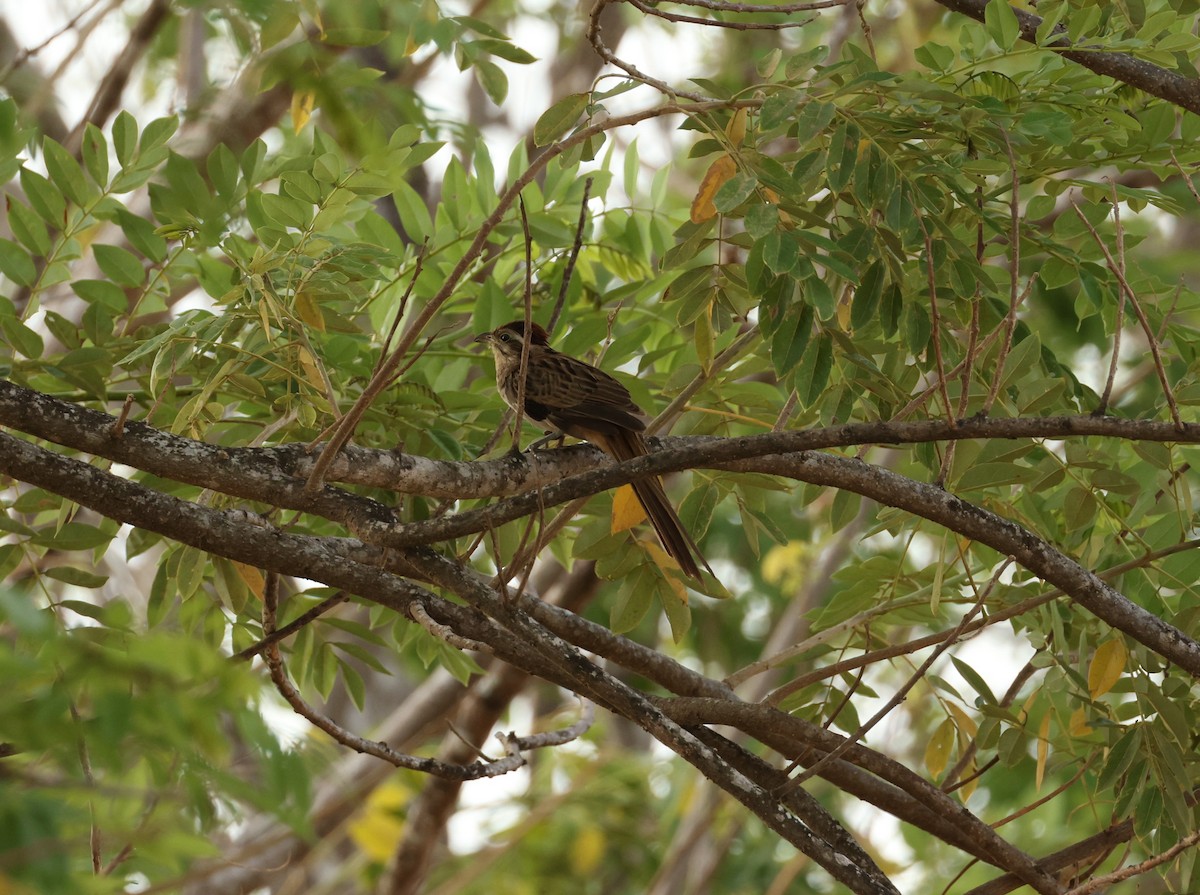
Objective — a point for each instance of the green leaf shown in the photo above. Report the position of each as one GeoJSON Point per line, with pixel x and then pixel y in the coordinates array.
{"type": "Point", "coordinates": [120, 265]}
{"type": "Point", "coordinates": [935, 56]}
{"type": "Point", "coordinates": [790, 340]}
{"type": "Point", "coordinates": [73, 536]}
{"type": "Point", "coordinates": [867, 296]}
{"type": "Point", "coordinates": [778, 108]}
{"type": "Point", "coordinates": [1002, 25]}
{"type": "Point", "coordinates": [890, 309]}
{"type": "Point", "coordinates": [735, 191]}
{"type": "Point", "coordinates": [44, 197]}
{"type": "Point", "coordinates": [102, 292]}
{"type": "Point", "coordinates": [79, 578]}
{"type": "Point", "coordinates": [505, 50]}
{"type": "Point", "coordinates": [781, 251]}
{"type": "Point", "coordinates": [21, 337]}
{"type": "Point", "coordinates": [559, 118]}
{"type": "Point", "coordinates": [157, 133]}
{"type": "Point", "coordinates": [16, 264]}
{"type": "Point", "coordinates": [284, 211]}
{"type": "Point", "coordinates": [95, 154]}
{"type": "Point", "coordinates": [28, 227]}
{"type": "Point", "coordinates": [414, 215]}
{"type": "Point", "coordinates": [813, 373]}
{"type": "Point", "coordinates": [492, 79]}
{"type": "Point", "coordinates": [633, 601]}
{"type": "Point", "coordinates": [761, 220]}
{"type": "Point", "coordinates": [813, 119]}
{"type": "Point", "coordinates": [65, 172]}
{"type": "Point", "coordinates": [124, 135]}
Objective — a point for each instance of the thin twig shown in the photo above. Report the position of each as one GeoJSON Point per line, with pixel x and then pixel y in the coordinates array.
{"type": "Point", "coordinates": [1015, 295]}
{"type": "Point", "coordinates": [785, 414]}
{"type": "Point", "coordinates": [569, 268]}
{"type": "Point", "coordinates": [1103, 882]}
{"type": "Point", "coordinates": [443, 632]}
{"type": "Point", "coordinates": [118, 429]}
{"type": "Point", "coordinates": [1119, 321]}
{"type": "Point", "coordinates": [293, 626]}
{"type": "Point", "coordinates": [418, 264]}
{"type": "Point", "coordinates": [291, 695]}
{"type": "Point", "coordinates": [1141, 316]}
{"type": "Point", "coordinates": [899, 695]}
{"type": "Point", "coordinates": [722, 360]}
{"type": "Point", "coordinates": [936, 320]}
{"type": "Point", "coordinates": [527, 333]}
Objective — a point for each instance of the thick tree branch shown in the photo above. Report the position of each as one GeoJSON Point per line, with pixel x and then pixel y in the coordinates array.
{"type": "Point", "coordinates": [780, 453]}
{"type": "Point", "coordinates": [1171, 86]}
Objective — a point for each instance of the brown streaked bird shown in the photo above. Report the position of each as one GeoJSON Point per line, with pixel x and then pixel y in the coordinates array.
{"type": "Point", "coordinates": [575, 398]}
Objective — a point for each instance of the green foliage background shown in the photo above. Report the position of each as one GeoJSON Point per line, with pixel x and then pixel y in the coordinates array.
{"type": "Point", "coordinates": [890, 204]}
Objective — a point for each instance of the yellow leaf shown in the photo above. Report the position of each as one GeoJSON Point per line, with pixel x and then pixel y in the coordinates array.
{"type": "Point", "coordinates": [965, 723]}
{"type": "Point", "coordinates": [736, 129]}
{"type": "Point", "coordinates": [309, 311]}
{"type": "Point", "coordinates": [937, 751]}
{"type": "Point", "coordinates": [968, 774]}
{"type": "Point", "coordinates": [312, 372]}
{"type": "Point", "coordinates": [718, 174]}
{"type": "Point", "coordinates": [377, 829]}
{"type": "Point", "coordinates": [302, 107]}
{"type": "Point", "coordinates": [787, 565]}
{"type": "Point", "coordinates": [1043, 751]}
{"type": "Point", "coordinates": [671, 571]}
{"type": "Point", "coordinates": [587, 851]}
{"type": "Point", "coordinates": [264, 316]}
{"type": "Point", "coordinates": [1079, 726]}
{"type": "Point", "coordinates": [627, 509]}
{"type": "Point", "coordinates": [251, 577]}
{"type": "Point", "coordinates": [1108, 664]}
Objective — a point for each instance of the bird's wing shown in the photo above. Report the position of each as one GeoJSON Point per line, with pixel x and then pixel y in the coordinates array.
{"type": "Point", "coordinates": [573, 392]}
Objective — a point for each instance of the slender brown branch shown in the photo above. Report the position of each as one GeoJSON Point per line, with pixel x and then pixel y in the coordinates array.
{"type": "Point", "coordinates": [1119, 315]}
{"type": "Point", "coordinates": [1127, 291]}
{"type": "Point", "coordinates": [569, 267]}
{"type": "Point", "coordinates": [936, 321]}
{"type": "Point", "coordinates": [293, 626]}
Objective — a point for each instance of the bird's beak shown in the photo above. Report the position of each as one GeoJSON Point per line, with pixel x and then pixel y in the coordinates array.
{"type": "Point", "coordinates": [484, 337]}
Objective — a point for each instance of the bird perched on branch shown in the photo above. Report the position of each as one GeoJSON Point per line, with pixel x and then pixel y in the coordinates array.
{"type": "Point", "coordinates": [574, 398]}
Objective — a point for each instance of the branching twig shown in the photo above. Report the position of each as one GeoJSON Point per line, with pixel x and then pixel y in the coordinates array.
{"type": "Point", "coordinates": [293, 626]}
{"type": "Point", "coordinates": [1127, 290]}
{"type": "Point", "coordinates": [569, 267]}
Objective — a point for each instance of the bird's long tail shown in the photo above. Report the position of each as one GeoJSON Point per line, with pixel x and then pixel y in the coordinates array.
{"type": "Point", "coordinates": [675, 539]}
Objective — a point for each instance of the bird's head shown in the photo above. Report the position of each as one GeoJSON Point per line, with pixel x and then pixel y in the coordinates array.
{"type": "Point", "coordinates": [505, 341]}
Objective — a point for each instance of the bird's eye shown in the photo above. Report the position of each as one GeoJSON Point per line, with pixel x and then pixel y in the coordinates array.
{"type": "Point", "coordinates": [505, 337]}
